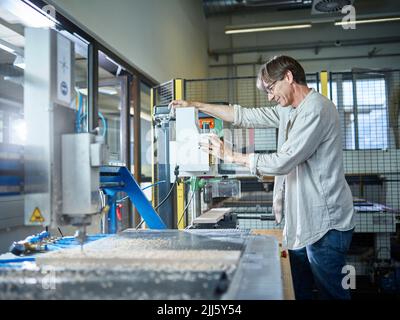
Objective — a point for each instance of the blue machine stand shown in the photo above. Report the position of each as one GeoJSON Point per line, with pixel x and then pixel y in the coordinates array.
{"type": "Point", "coordinates": [119, 179]}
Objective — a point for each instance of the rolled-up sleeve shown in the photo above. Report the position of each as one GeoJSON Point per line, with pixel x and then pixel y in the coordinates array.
{"type": "Point", "coordinates": [306, 135]}
{"type": "Point", "coordinates": [266, 117]}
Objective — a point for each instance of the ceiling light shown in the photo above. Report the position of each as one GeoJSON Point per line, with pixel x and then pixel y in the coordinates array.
{"type": "Point", "coordinates": [83, 91]}
{"type": "Point", "coordinates": [344, 23]}
{"type": "Point", "coordinates": [7, 46]}
{"type": "Point", "coordinates": [27, 14]}
{"type": "Point", "coordinates": [261, 28]}
{"type": "Point", "coordinates": [19, 62]}
{"type": "Point", "coordinates": [105, 90]}
{"type": "Point", "coordinates": [4, 47]}
{"type": "Point", "coordinates": [108, 90]}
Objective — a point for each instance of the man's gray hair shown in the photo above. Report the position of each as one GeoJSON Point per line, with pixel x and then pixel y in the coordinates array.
{"type": "Point", "coordinates": [275, 69]}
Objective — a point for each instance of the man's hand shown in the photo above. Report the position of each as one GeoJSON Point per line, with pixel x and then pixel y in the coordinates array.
{"type": "Point", "coordinates": [222, 150]}
{"type": "Point", "coordinates": [217, 148]}
{"type": "Point", "coordinates": [179, 104]}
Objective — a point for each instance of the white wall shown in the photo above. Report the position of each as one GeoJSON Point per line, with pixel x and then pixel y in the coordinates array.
{"type": "Point", "coordinates": [320, 32]}
{"type": "Point", "coordinates": [164, 38]}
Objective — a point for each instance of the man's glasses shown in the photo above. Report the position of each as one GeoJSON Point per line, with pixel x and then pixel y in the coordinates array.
{"type": "Point", "coordinates": [270, 88]}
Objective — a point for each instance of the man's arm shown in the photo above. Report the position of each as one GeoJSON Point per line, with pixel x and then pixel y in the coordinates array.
{"type": "Point", "coordinates": [304, 139]}
{"type": "Point", "coordinates": [223, 112]}
{"type": "Point", "coordinates": [267, 117]}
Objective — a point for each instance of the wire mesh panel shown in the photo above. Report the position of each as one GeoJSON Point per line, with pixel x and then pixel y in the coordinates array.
{"type": "Point", "coordinates": [164, 93]}
{"type": "Point", "coordinates": [368, 106]}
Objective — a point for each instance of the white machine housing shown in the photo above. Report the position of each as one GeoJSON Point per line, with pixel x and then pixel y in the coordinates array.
{"type": "Point", "coordinates": [61, 167]}
{"type": "Point", "coordinates": [185, 150]}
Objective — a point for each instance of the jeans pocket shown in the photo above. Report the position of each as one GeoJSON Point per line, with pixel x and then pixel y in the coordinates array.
{"type": "Point", "coordinates": [340, 240]}
{"type": "Point", "coordinates": [346, 237]}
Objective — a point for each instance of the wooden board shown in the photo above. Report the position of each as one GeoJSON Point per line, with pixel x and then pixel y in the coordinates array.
{"type": "Point", "coordinates": [212, 216]}
{"type": "Point", "coordinates": [288, 290]}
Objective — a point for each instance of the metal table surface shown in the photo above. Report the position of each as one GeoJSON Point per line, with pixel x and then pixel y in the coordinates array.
{"type": "Point", "coordinates": [256, 274]}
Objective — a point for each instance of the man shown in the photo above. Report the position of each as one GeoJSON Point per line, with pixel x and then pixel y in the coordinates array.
{"type": "Point", "coordinates": [310, 185]}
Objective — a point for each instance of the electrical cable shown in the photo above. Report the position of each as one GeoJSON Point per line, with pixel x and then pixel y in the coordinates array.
{"type": "Point", "coordinates": [184, 210]}
{"type": "Point", "coordinates": [152, 185]}
{"type": "Point", "coordinates": [104, 123]}
{"type": "Point", "coordinates": [140, 224]}
{"type": "Point", "coordinates": [167, 196]}
{"type": "Point", "coordinates": [176, 173]}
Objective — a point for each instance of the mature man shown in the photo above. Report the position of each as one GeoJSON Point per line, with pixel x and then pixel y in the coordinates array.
{"type": "Point", "coordinates": [310, 186]}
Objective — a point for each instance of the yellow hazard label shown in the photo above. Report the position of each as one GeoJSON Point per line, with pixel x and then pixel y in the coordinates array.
{"type": "Point", "coordinates": [36, 216]}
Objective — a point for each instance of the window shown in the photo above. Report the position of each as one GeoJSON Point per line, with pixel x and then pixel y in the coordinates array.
{"type": "Point", "coordinates": [361, 100]}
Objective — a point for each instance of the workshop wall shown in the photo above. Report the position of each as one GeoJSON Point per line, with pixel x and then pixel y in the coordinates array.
{"type": "Point", "coordinates": [165, 39]}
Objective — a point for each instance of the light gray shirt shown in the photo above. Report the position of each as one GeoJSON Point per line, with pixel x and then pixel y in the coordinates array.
{"type": "Point", "coordinates": [309, 161]}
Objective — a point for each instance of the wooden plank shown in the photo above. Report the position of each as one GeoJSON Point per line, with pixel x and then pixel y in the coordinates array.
{"type": "Point", "coordinates": [288, 290]}
{"type": "Point", "coordinates": [212, 216]}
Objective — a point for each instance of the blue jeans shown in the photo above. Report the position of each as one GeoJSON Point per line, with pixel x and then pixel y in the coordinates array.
{"type": "Point", "coordinates": [320, 265]}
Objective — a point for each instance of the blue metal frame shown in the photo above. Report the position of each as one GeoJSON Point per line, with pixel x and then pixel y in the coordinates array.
{"type": "Point", "coordinates": [119, 179]}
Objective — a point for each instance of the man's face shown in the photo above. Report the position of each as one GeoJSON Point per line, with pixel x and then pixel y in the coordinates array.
{"type": "Point", "coordinates": [280, 91]}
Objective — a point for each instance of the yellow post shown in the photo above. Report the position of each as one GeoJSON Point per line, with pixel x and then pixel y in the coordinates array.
{"type": "Point", "coordinates": [180, 189]}
{"type": "Point", "coordinates": [324, 83]}
{"type": "Point", "coordinates": [153, 177]}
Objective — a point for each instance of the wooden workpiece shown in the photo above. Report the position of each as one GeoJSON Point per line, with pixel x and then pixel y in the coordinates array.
{"type": "Point", "coordinates": [288, 290]}
{"type": "Point", "coordinates": [212, 216]}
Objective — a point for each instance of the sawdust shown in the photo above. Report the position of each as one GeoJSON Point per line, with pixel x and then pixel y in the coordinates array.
{"type": "Point", "coordinates": [117, 253]}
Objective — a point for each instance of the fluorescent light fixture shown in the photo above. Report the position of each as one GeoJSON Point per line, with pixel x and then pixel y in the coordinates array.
{"type": "Point", "coordinates": [344, 23]}
{"type": "Point", "coordinates": [19, 62]}
{"type": "Point", "coordinates": [27, 14]}
{"type": "Point", "coordinates": [111, 60]}
{"type": "Point", "coordinates": [233, 30]}
{"type": "Point", "coordinates": [108, 90]}
{"type": "Point", "coordinates": [83, 91]}
{"type": "Point", "coordinates": [6, 48]}
{"type": "Point", "coordinates": [105, 90]}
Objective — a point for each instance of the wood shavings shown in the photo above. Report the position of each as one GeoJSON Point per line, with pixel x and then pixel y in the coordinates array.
{"type": "Point", "coordinates": [139, 253]}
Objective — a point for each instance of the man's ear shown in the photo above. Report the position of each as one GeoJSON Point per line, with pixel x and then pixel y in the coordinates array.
{"type": "Point", "coordinates": [289, 76]}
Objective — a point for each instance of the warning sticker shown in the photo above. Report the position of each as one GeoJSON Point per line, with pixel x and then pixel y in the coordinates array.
{"type": "Point", "coordinates": [36, 216]}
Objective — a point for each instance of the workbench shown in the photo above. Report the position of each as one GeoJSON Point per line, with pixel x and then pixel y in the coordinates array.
{"type": "Point", "coordinates": [288, 290]}
{"type": "Point", "coordinates": [206, 264]}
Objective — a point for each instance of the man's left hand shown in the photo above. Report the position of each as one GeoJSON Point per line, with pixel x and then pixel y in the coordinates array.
{"type": "Point", "coordinates": [216, 147]}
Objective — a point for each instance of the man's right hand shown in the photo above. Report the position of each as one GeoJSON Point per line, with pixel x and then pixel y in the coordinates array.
{"type": "Point", "coordinates": [179, 104]}
{"type": "Point", "coordinates": [223, 112]}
